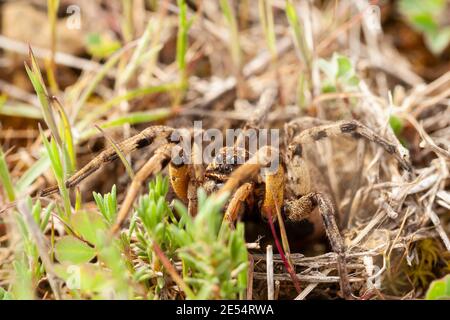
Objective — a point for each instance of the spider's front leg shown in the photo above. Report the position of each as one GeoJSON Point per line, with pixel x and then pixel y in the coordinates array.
{"type": "Point", "coordinates": [143, 139]}
{"type": "Point", "coordinates": [155, 164]}
{"type": "Point", "coordinates": [301, 208]}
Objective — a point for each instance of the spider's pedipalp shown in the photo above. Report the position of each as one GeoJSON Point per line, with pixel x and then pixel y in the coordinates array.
{"type": "Point", "coordinates": [179, 179]}
{"type": "Point", "coordinates": [274, 192]}
{"type": "Point", "coordinates": [239, 197]}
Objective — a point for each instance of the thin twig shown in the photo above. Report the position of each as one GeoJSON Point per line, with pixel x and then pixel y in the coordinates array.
{"type": "Point", "coordinates": [269, 270]}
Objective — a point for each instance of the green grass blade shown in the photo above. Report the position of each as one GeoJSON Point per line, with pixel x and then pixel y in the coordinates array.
{"type": "Point", "coordinates": [68, 137]}
{"type": "Point", "coordinates": [112, 61]}
{"type": "Point", "coordinates": [131, 118]}
{"type": "Point", "coordinates": [132, 94]}
{"type": "Point", "coordinates": [131, 67]}
{"type": "Point", "coordinates": [232, 23]}
{"type": "Point", "coordinates": [119, 152]}
{"type": "Point", "coordinates": [20, 110]}
{"type": "Point", "coordinates": [5, 177]}
{"type": "Point", "coordinates": [35, 171]}
{"type": "Point", "coordinates": [39, 86]}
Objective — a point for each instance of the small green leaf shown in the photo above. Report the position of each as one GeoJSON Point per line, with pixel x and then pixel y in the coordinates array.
{"type": "Point", "coordinates": [439, 289]}
{"type": "Point", "coordinates": [426, 17]}
{"type": "Point", "coordinates": [328, 88]}
{"type": "Point", "coordinates": [424, 23]}
{"type": "Point", "coordinates": [23, 286]}
{"type": "Point", "coordinates": [353, 81]}
{"type": "Point", "coordinates": [107, 204]}
{"type": "Point", "coordinates": [344, 66]}
{"type": "Point", "coordinates": [396, 125]}
{"type": "Point", "coordinates": [438, 41]}
{"type": "Point", "coordinates": [71, 249]}
{"type": "Point", "coordinates": [5, 295]}
{"type": "Point", "coordinates": [86, 277]}
{"type": "Point", "coordinates": [35, 76]}
{"type": "Point", "coordinates": [101, 46]}
{"type": "Point", "coordinates": [88, 224]}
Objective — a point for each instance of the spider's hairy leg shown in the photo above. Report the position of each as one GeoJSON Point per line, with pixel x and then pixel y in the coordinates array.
{"type": "Point", "coordinates": [299, 209]}
{"type": "Point", "coordinates": [186, 167]}
{"type": "Point", "coordinates": [297, 125]}
{"type": "Point", "coordinates": [347, 127]}
{"type": "Point", "coordinates": [239, 197]}
{"type": "Point", "coordinates": [185, 175]}
{"type": "Point", "coordinates": [143, 139]}
{"type": "Point", "coordinates": [154, 165]}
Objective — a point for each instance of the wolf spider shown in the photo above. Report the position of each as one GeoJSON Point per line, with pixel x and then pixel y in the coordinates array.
{"type": "Point", "coordinates": [289, 189]}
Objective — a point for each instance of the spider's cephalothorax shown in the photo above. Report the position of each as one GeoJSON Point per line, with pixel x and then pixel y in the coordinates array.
{"type": "Point", "coordinates": [291, 186]}
{"type": "Point", "coordinates": [224, 163]}
{"type": "Point", "coordinates": [186, 179]}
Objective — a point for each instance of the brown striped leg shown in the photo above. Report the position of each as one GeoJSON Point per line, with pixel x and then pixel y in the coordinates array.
{"type": "Point", "coordinates": [154, 165]}
{"type": "Point", "coordinates": [301, 208]}
{"type": "Point", "coordinates": [352, 128]}
{"type": "Point", "coordinates": [139, 141]}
